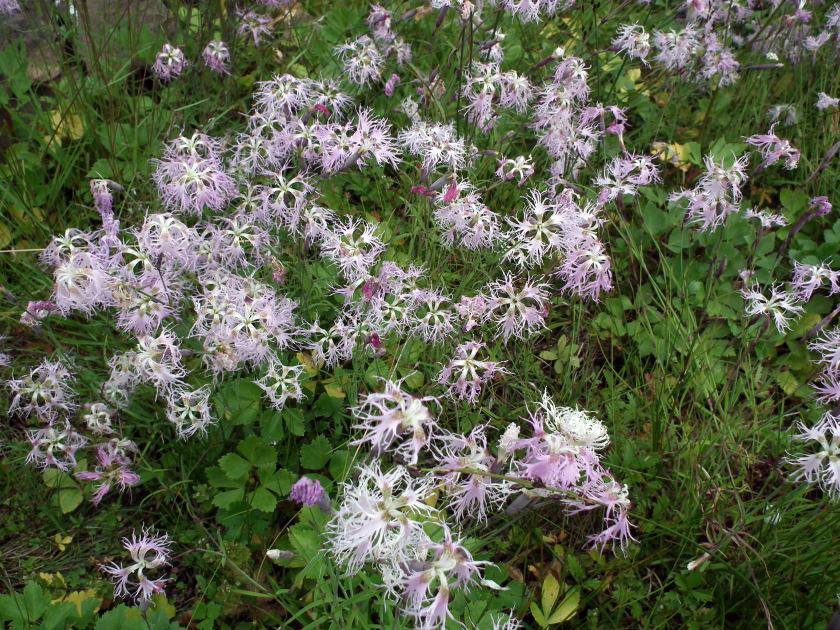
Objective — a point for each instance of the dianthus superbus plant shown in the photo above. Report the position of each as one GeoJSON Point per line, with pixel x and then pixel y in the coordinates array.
{"type": "Point", "coordinates": [332, 320]}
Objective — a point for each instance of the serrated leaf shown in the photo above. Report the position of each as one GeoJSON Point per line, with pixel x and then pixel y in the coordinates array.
{"type": "Point", "coordinates": [236, 468]}
{"type": "Point", "coordinates": [315, 454]}
{"type": "Point", "coordinates": [567, 608]}
{"type": "Point", "coordinates": [227, 498]}
{"type": "Point", "coordinates": [293, 417]}
{"type": "Point", "coordinates": [550, 592]}
{"type": "Point", "coordinates": [256, 451]}
{"type": "Point", "coordinates": [78, 598]}
{"type": "Point", "coordinates": [339, 464]}
{"type": "Point", "coordinates": [787, 381]}
{"type": "Point", "coordinates": [279, 482]}
{"type": "Point", "coordinates": [263, 500]}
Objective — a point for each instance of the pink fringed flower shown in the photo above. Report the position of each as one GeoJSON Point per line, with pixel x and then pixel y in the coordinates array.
{"type": "Point", "coordinates": [44, 393]}
{"type": "Point", "coordinates": [169, 63]}
{"type": "Point", "coordinates": [380, 518]}
{"type": "Point", "coordinates": [55, 447]}
{"type": "Point", "coordinates": [112, 470]}
{"type": "Point", "coordinates": [216, 56]}
{"type": "Point", "coordinates": [465, 373]}
{"type": "Point", "coordinates": [149, 553]}
{"type": "Point", "coordinates": [517, 307]}
{"type": "Point", "coordinates": [822, 467]}
{"type": "Point", "coordinates": [395, 421]}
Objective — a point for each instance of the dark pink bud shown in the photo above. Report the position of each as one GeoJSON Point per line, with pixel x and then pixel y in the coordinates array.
{"type": "Point", "coordinates": [321, 108]}
{"type": "Point", "coordinates": [368, 290]}
{"type": "Point", "coordinates": [375, 341]}
{"type": "Point", "coordinates": [451, 193]}
{"type": "Point", "coordinates": [391, 84]}
{"type": "Point", "coordinates": [821, 206]}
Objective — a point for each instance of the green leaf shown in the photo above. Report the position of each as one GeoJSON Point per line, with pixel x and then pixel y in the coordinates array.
{"type": "Point", "coordinates": [263, 500]}
{"type": "Point", "coordinates": [293, 417]}
{"type": "Point", "coordinates": [315, 454]}
{"type": "Point", "coordinates": [234, 466]}
{"type": "Point", "coordinates": [279, 482]}
{"type": "Point", "coordinates": [567, 608]}
{"type": "Point", "coordinates": [339, 464]}
{"type": "Point", "coordinates": [257, 452]}
{"type": "Point", "coordinates": [69, 499]}
{"type": "Point", "coordinates": [239, 402]}
{"type": "Point", "coordinates": [121, 618]}
{"type": "Point", "coordinates": [538, 615]}
{"type": "Point", "coordinates": [550, 592]}
{"type": "Point", "coordinates": [227, 498]}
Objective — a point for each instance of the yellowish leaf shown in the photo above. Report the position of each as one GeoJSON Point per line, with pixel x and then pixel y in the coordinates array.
{"type": "Point", "coordinates": [308, 364]}
{"type": "Point", "coordinates": [79, 597]}
{"type": "Point", "coordinates": [62, 541]}
{"type": "Point", "coordinates": [50, 578]}
{"type": "Point", "coordinates": [334, 391]}
{"type": "Point", "coordinates": [67, 125]}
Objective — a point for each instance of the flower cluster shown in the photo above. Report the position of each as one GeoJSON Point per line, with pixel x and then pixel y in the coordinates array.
{"type": "Point", "coordinates": [385, 516]}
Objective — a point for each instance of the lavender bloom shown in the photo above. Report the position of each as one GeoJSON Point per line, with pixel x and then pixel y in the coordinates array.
{"type": "Point", "coordinates": [586, 269]}
{"type": "Point", "coordinates": [767, 219]}
{"type": "Point", "coordinates": [562, 451]}
{"type": "Point", "coordinates": [465, 464]}
{"type": "Point", "coordinates": [517, 311]}
{"type": "Point", "coordinates": [426, 584]}
{"type": "Point", "coordinates": [519, 168]}
{"type": "Point", "coordinates": [103, 200]}
{"type": "Point", "coordinates": [189, 183]}
{"type": "Point", "coordinates": [189, 410]}
{"type": "Point", "coordinates": [395, 421]}
{"type": "Point", "coordinates": [633, 41]}
{"type": "Point", "coordinates": [98, 417]}
{"type": "Point", "coordinates": [716, 194]}
{"type": "Point", "coordinates": [169, 63]}
{"type": "Point", "coordinates": [824, 101]}
{"type": "Point", "coordinates": [9, 7]}
{"type": "Point", "coordinates": [54, 447]}
{"type": "Point", "coordinates": [391, 84]}
{"type": "Point", "coordinates": [436, 144]}
{"type": "Point", "coordinates": [158, 360]}
{"type": "Point", "coordinates": [676, 49]}
{"type": "Point", "coordinates": [820, 206]}
{"type": "Point", "coordinates": [352, 245]}
{"type": "Point", "coordinates": [216, 56]}
{"type": "Point", "coordinates": [362, 60]}
{"type": "Point", "coordinates": [773, 149]}
{"type": "Point", "coordinates": [465, 219]}
{"type": "Point", "coordinates": [309, 492]}
{"type": "Point", "coordinates": [254, 25]}
{"type": "Point", "coordinates": [82, 283]}
{"type": "Point", "coordinates": [372, 139]}
{"type": "Point", "coordinates": [36, 311]}
{"type": "Point", "coordinates": [380, 518]}
{"type": "Point", "coordinates": [808, 278]}
{"type": "Point", "coordinates": [781, 306]}
{"type": "Point", "coordinates": [433, 318]}
{"type": "Point", "coordinates": [464, 374]}
{"type": "Point", "coordinates": [44, 392]}
{"type": "Point", "coordinates": [280, 383]}
{"type": "Point", "coordinates": [112, 469]}
{"type": "Point", "coordinates": [823, 466]}
{"type": "Point", "coordinates": [149, 553]}
{"type": "Point", "coordinates": [828, 346]}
